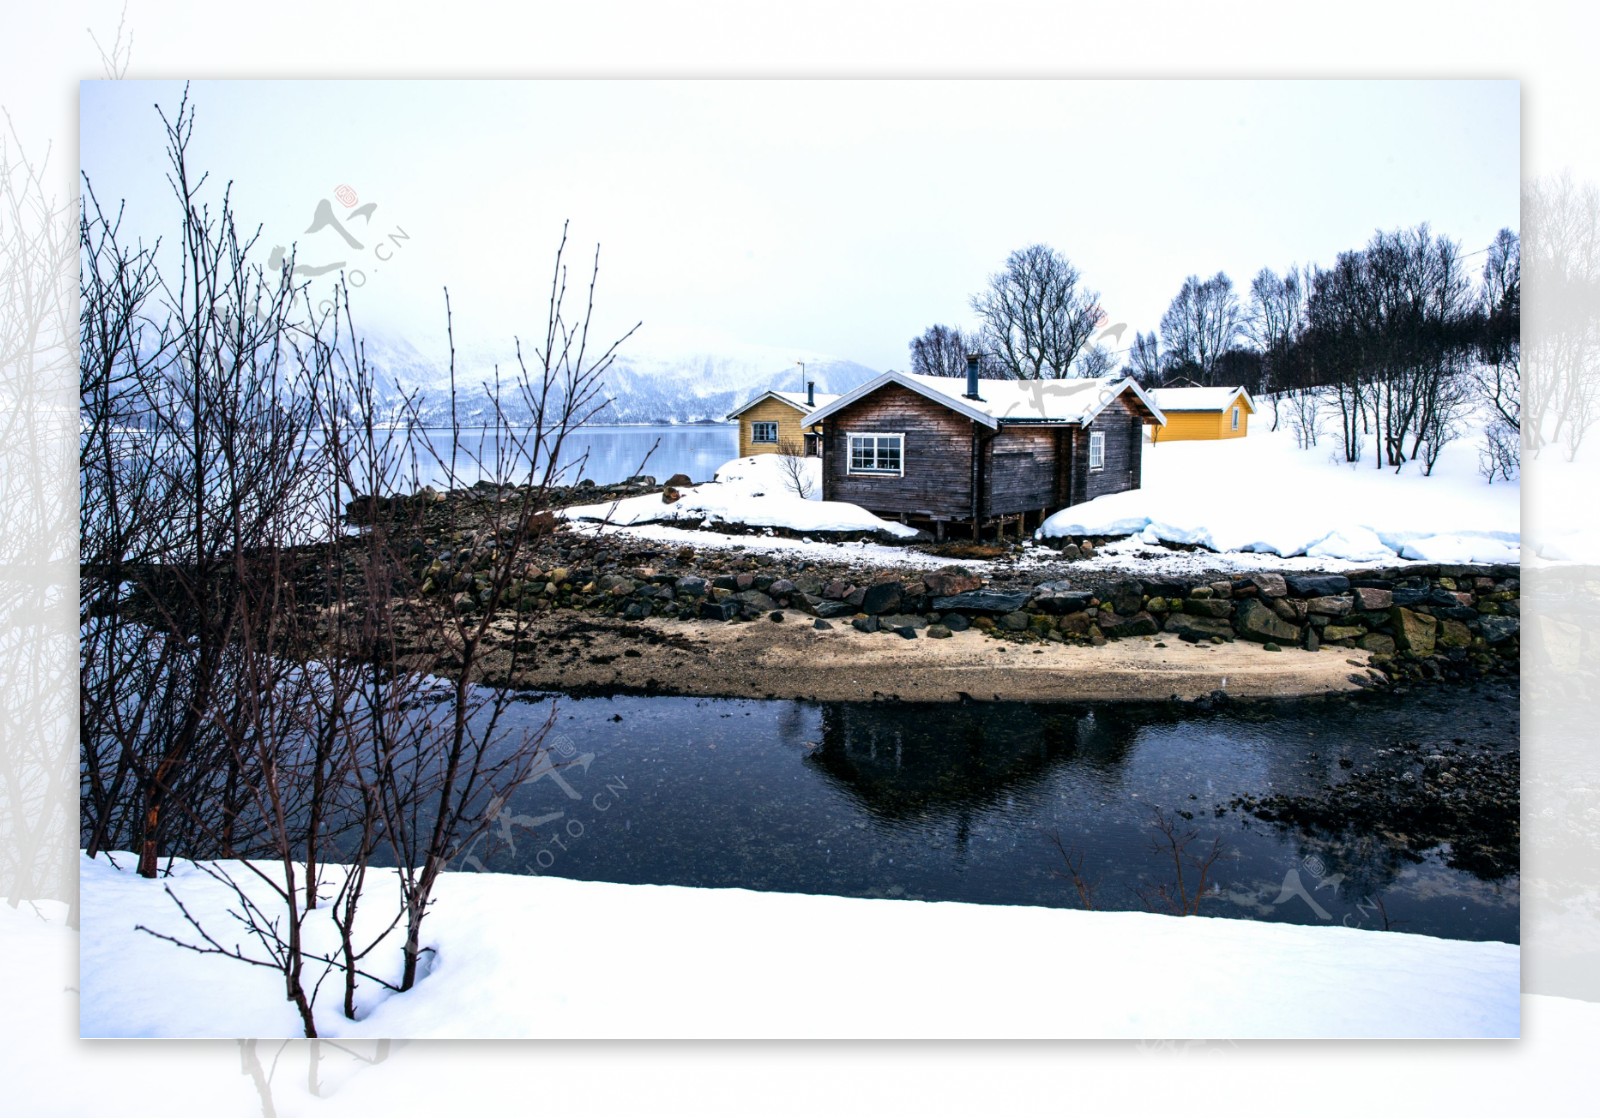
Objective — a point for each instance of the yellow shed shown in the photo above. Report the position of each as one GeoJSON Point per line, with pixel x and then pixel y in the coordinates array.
{"type": "Point", "coordinates": [1203, 413]}
{"type": "Point", "coordinates": [771, 422]}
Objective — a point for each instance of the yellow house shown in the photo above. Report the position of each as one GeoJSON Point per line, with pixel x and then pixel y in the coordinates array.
{"type": "Point", "coordinates": [1203, 413]}
{"type": "Point", "coordinates": [771, 422]}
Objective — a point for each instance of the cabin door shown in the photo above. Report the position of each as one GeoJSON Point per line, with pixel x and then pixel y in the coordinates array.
{"type": "Point", "coordinates": [1063, 487]}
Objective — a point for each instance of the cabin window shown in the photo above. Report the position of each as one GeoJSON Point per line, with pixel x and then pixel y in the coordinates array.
{"type": "Point", "coordinates": [1236, 417]}
{"type": "Point", "coordinates": [877, 454]}
{"type": "Point", "coordinates": [764, 432]}
{"type": "Point", "coordinates": [1097, 450]}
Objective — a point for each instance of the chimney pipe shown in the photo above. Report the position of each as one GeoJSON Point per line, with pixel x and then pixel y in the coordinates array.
{"type": "Point", "coordinates": [972, 377]}
{"type": "Point", "coordinates": [811, 394]}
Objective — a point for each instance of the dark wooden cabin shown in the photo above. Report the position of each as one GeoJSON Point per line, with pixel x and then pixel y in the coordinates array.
{"type": "Point", "coordinates": [918, 448]}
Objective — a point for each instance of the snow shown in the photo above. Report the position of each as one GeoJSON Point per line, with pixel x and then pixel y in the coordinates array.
{"type": "Point", "coordinates": [750, 491]}
{"type": "Point", "coordinates": [1263, 494]}
{"type": "Point", "coordinates": [528, 956]}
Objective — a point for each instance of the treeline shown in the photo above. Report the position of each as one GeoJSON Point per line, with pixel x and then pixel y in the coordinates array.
{"type": "Point", "coordinates": [1402, 339]}
{"type": "Point", "coordinates": [257, 683]}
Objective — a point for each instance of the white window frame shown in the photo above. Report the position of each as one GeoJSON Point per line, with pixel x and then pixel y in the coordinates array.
{"type": "Point", "coordinates": [1235, 417]}
{"type": "Point", "coordinates": [755, 432]}
{"type": "Point", "coordinates": [1097, 450]}
{"type": "Point", "coordinates": [850, 453]}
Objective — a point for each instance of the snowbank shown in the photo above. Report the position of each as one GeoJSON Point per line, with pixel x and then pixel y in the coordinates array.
{"type": "Point", "coordinates": [546, 957]}
{"type": "Point", "coordinates": [1263, 494]}
{"type": "Point", "coordinates": [750, 491]}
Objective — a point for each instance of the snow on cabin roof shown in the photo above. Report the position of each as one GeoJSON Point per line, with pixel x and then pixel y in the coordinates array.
{"type": "Point", "coordinates": [1200, 399]}
{"type": "Point", "coordinates": [1071, 400]}
{"type": "Point", "coordinates": [796, 400]}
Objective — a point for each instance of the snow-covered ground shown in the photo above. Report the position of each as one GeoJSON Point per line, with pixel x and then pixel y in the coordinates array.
{"type": "Point", "coordinates": [1263, 494]}
{"type": "Point", "coordinates": [1561, 522]}
{"type": "Point", "coordinates": [1251, 503]}
{"type": "Point", "coordinates": [551, 958]}
{"type": "Point", "coordinates": [753, 491]}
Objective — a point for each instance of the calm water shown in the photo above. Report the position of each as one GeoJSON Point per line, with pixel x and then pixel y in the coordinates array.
{"type": "Point", "coordinates": [957, 802]}
{"type": "Point", "coordinates": [611, 453]}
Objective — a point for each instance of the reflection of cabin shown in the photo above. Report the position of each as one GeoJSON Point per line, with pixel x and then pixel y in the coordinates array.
{"type": "Point", "coordinates": [771, 422]}
{"type": "Point", "coordinates": [981, 452]}
{"type": "Point", "coordinates": [1203, 413]}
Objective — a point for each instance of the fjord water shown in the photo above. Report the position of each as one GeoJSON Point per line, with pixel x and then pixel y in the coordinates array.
{"type": "Point", "coordinates": [605, 454]}
{"type": "Point", "coordinates": [960, 802]}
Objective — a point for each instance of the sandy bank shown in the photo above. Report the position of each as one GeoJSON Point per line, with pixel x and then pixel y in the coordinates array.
{"type": "Point", "coordinates": [791, 660]}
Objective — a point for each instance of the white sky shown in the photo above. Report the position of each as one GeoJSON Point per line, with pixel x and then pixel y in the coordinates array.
{"type": "Point", "coordinates": [839, 217]}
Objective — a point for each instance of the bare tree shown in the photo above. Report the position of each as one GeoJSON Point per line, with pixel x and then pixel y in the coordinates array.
{"type": "Point", "coordinates": [1096, 360]}
{"type": "Point", "coordinates": [1202, 323]}
{"type": "Point", "coordinates": [1144, 360]}
{"type": "Point", "coordinates": [1181, 897]}
{"type": "Point", "coordinates": [1275, 324]}
{"type": "Point", "coordinates": [1037, 316]}
{"type": "Point", "coordinates": [794, 466]}
{"type": "Point", "coordinates": [1561, 239]}
{"type": "Point", "coordinates": [941, 351]}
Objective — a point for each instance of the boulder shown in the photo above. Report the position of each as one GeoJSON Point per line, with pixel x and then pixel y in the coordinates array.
{"type": "Point", "coordinates": [1061, 601]}
{"type": "Point", "coordinates": [1016, 621]}
{"type": "Point", "coordinates": [955, 623]}
{"type": "Point", "coordinates": [1259, 622]}
{"type": "Point", "coordinates": [825, 607]}
{"type": "Point", "coordinates": [1377, 643]}
{"type": "Point", "coordinates": [1412, 631]}
{"type": "Point", "coordinates": [1373, 598]}
{"type": "Point", "coordinates": [865, 624]}
{"type": "Point", "coordinates": [780, 588]}
{"type": "Point", "coordinates": [820, 624]}
{"type": "Point", "coordinates": [881, 598]}
{"type": "Point", "coordinates": [1330, 606]}
{"type": "Point", "coordinates": [905, 631]}
{"type": "Point", "coordinates": [1209, 607]}
{"type": "Point", "coordinates": [719, 611]}
{"type": "Point", "coordinates": [937, 630]}
{"type": "Point", "coordinates": [1313, 586]}
{"type": "Point", "coordinates": [1454, 635]}
{"type": "Point", "coordinates": [951, 581]}
{"type": "Point", "coordinates": [1497, 630]}
{"type": "Point", "coordinates": [1138, 624]}
{"type": "Point", "coordinates": [756, 599]}
{"type": "Point", "coordinates": [1192, 627]}
{"type": "Point", "coordinates": [901, 621]}
{"type": "Point", "coordinates": [1270, 585]}
{"type": "Point", "coordinates": [1075, 625]}
{"type": "Point", "coordinates": [691, 585]}
{"type": "Point", "coordinates": [1342, 633]}
{"type": "Point", "coordinates": [680, 480]}
{"type": "Point", "coordinates": [670, 494]}
{"type": "Point", "coordinates": [1127, 597]}
{"type": "Point", "coordinates": [983, 602]}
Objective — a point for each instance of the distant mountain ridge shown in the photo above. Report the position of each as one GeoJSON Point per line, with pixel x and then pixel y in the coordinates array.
{"type": "Point", "coordinates": [680, 385]}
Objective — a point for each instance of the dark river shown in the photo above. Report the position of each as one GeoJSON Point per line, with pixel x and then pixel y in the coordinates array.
{"type": "Point", "coordinates": [959, 803]}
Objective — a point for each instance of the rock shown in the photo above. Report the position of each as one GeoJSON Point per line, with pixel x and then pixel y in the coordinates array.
{"type": "Point", "coordinates": [881, 598]}
{"type": "Point", "coordinates": [669, 495]}
{"type": "Point", "coordinates": [1270, 585]}
{"type": "Point", "coordinates": [836, 589]}
{"type": "Point", "coordinates": [938, 631]}
{"type": "Point", "coordinates": [1075, 625]}
{"type": "Point", "coordinates": [1377, 643]}
{"type": "Point", "coordinates": [1071, 552]}
{"type": "Point", "coordinates": [719, 611]}
{"type": "Point", "coordinates": [1201, 592]}
{"type": "Point", "coordinates": [983, 602]}
{"type": "Point", "coordinates": [1138, 624]}
{"type": "Point", "coordinates": [725, 583]}
{"type": "Point", "coordinates": [826, 607]}
{"type": "Point", "coordinates": [955, 623]}
{"type": "Point", "coordinates": [865, 625]}
{"type": "Point", "coordinates": [901, 621]}
{"type": "Point", "coordinates": [775, 616]}
{"type": "Point", "coordinates": [1272, 647]}
{"type": "Point", "coordinates": [1222, 589]}
{"type": "Point", "coordinates": [781, 588]}
{"type": "Point", "coordinates": [1192, 627]}
{"type": "Point", "coordinates": [1497, 630]}
{"type": "Point", "coordinates": [1312, 642]}
{"type": "Point", "coordinates": [1127, 596]}
{"type": "Point", "coordinates": [1373, 598]}
{"type": "Point", "coordinates": [1342, 633]}
{"type": "Point", "coordinates": [905, 631]}
{"type": "Point", "coordinates": [757, 600]}
{"type": "Point", "coordinates": [744, 581]}
{"type": "Point", "coordinates": [1209, 607]}
{"type": "Point", "coordinates": [636, 611]}
{"type": "Point", "coordinates": [1453, 634]}
{"type": "Point", "coordinates": [680, 480]}
{"type": "Point", "coordinates": [1412, 631]}
{"type": "Point", "coordinates": [1331, 606]}
{"type": "Point", "coordinates": [820, 624]}
{"type": "Point", "coordinates": [1040, 624]}
{"type": "Point", "coordinates": [1313, 586]}
{"type": "Point", "coordinates": [1016, 621]}
{"type": "Point", "coordinates": [1061, 601]}
{"type": "Point", "coordinates": [691, 585]}
{"type": "Point", "coordinates": [1256, 621]}
{"type": "Point", "coordinates": [951, 581]}
{"type": "Point", "coordinates": [641, 480]}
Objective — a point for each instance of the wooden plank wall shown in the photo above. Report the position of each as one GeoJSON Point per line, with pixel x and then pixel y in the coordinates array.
{"type": "Point", "coordinates": [937, 456]}
{"type": "Point", "coordinates": [1020, 468]}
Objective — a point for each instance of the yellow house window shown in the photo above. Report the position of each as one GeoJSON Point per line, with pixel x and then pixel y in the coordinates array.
{"type": "Point", "coordinates": [764, 432]}
{"type": "Point", "coordinates": [1236, 417]}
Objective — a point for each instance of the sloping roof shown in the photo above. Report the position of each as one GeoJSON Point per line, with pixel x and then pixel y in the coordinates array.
{"type": "Point", "coordinates": [1069, 401]}
{"type": "Point", "coordinates": [795, 400]}
{"type": "Point", "coordinates": [1201, 399]}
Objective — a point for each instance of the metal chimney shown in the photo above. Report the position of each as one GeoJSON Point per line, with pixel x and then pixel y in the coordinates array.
{"type": "Point", "coordinates": [972, 377]}
{"type": "Point", "coordinates": [811, 394]}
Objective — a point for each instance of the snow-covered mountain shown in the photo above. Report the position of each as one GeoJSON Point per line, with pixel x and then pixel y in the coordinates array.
{"type": "Point", "coordinates": [681, 381]}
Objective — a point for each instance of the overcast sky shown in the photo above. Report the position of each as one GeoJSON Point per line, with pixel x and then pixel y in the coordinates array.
{"type": "Point", "coordinates": [829, 216]}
